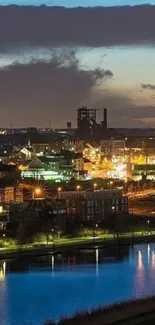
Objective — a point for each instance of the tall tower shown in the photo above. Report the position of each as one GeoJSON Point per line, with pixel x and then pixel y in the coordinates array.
{"type": "Point", "coordinates": [86, 118]}
{"type": "Point", "coordinates": [105, 118]}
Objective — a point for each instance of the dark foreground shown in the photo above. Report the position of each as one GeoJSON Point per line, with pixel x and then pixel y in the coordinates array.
{"type": "Point", "coordinates": [140, 312]}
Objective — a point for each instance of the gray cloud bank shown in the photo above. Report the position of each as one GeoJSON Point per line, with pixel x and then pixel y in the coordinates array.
{"type": "Point", "coordinates": [94, 27]}
{"type": "Point", "coordinates": [39, 91]}
{"type": "Point", "coordinates": [35, 92]}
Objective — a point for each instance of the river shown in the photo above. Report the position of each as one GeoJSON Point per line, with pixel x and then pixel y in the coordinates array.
{"type": "Point", "coordinates": [35, 290]}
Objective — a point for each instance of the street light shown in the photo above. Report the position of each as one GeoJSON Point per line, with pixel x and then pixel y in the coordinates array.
{"type": "Point", "coordinates": [52, 230]}
{"type": "Point", "coordinates": [37, 192]}
{"type": "Point", "coordinates": [95, 186]}
{"type": "Point", "coordinates": [59, 189]}
{"type": "Point", "coordinates": [148, 222]}
{"type": "Point", "coordinates": [94, 235]}
{"type": "Point", "coordinates": [78, 187]}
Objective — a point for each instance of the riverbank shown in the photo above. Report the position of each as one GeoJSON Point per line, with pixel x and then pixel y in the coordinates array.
{"type": "Point", "coordinates": [75, 244]}
{"type": "Point", "coordinates": [133, 312]}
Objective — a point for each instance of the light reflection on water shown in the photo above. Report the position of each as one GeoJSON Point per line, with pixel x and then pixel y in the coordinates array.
{"type": "Point", "coordinates": [39, 289]}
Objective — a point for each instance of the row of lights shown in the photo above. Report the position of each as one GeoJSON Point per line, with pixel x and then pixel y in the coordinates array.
{"type": "Point", "coordinates": [78, 187]}
{"type": "Point", "coordinates": [38, 191]}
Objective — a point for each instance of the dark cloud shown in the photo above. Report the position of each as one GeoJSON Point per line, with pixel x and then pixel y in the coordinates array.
{"type": "Point", "coordinates": [148, 86]}
{"type": "Point", "coordinates": [43, 26]}
{"type": "Point", "coordinates": [32, 93]}
{"type": "Point", "coordinates": [122, 110]}
{"type": "Point", "coordinates": [36, 92]}
{"type": "Point", "coordinates": [100, 73]}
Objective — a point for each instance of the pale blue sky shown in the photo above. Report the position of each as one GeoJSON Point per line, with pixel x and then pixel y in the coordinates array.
{"type": "Point", "coordinates": [74, 3]}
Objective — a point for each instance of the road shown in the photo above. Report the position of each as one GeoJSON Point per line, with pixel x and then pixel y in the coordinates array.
{"type": "Point", "coordinates": [140, 194]}
{"type": "Point", "coordinates": [143, 208]}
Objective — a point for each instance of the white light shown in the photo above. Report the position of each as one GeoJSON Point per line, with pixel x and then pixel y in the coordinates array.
{"type": "Point", "coordinates": [97, 261]}
{"type": "Point", "coordinates": [148, 252]}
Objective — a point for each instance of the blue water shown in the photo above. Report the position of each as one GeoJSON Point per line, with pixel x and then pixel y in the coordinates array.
{"type": "Point", "coordinates": [34, 291]}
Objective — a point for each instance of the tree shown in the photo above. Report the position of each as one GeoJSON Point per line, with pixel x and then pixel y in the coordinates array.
{"type": "Point", "coordinates": [21, 235]}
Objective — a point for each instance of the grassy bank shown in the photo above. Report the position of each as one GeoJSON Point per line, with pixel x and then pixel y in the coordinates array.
{"type": "Point", "coordinates": [133, 311]}
{"type": "Point", "coordinates": [64, 244]}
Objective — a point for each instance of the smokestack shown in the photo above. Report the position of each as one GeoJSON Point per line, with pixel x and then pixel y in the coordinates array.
{"type": "Point", "coordinates": [105, 117]}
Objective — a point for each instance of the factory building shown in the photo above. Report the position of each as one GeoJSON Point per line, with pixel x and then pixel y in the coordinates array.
{"type": "Point", "coordinates": [89, 129]}
{"type": "Point", "coordinates": [87, 123]}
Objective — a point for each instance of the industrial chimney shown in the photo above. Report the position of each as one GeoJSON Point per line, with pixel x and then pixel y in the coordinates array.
{"type": "Point", "coordinates": [105, 117]}
{"type": "Point", "coordinates": [69, 125]}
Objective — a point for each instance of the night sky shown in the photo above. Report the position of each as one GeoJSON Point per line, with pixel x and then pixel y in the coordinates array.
{"type": "Point", "coordinates": [53, 60]}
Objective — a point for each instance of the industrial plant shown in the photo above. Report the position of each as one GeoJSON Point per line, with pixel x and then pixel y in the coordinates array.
{"type": "Point", "coordinates": [87, 126]}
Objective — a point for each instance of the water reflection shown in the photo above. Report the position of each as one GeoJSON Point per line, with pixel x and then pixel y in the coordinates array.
{"type": "Point", "coordinates": [62, 284]}
{"type": "Point", "coordinates": [2, 270]}
{"type": "Point", "coordinates": [69, 261]}
{"type": "Point", "coordinates": [3, 295]}
{"type": "Point", "coordinates": [97, 260]}
{"type": "Point", "coordinates": [140, 276]}
{"type": "Point", "coordinates": [153, 260]}
{"type": "Point", "coordinates": [148, 252]}
{"type": "Point", "coordinates": [140, 261]}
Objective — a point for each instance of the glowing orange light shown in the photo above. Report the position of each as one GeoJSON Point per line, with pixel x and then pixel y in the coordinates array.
{"type": "Point", "coordinates": [37, 190]}
{"type": "Point", "coordinates": [95, 185]}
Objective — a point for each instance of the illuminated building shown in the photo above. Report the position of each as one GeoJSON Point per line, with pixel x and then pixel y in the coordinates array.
{"type": "Point", "coordinates": [98, 204]}
{"type": "Point", "coordinates": [56, 167]}
{"type": "Point", "coordinates": [93, 153]}
{"type": "Point", "coordinates": [118, 171]}
{"type": "Point", "coordinates": [144, 171]}
{"type": "Point", "coordinates": [87, 165]}
{"type": "Point", "coordinates": [92, 160]}
{"type": "Point", "coordinates": [4, 216]}
{"type": "Point", "coordinates": [27, 152]}
{"type": "Point", "coordinates": [44, 175]}
{"type": "Point", "coordinates": [11, 193]}
{"type": "Point", "coordinates": [41, 148]}
{"type": "Point", "coordinates": [112, 145]}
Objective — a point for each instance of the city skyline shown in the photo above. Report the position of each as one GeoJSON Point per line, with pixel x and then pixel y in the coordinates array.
{"type": "Point", "coordinates": [107, 63]}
